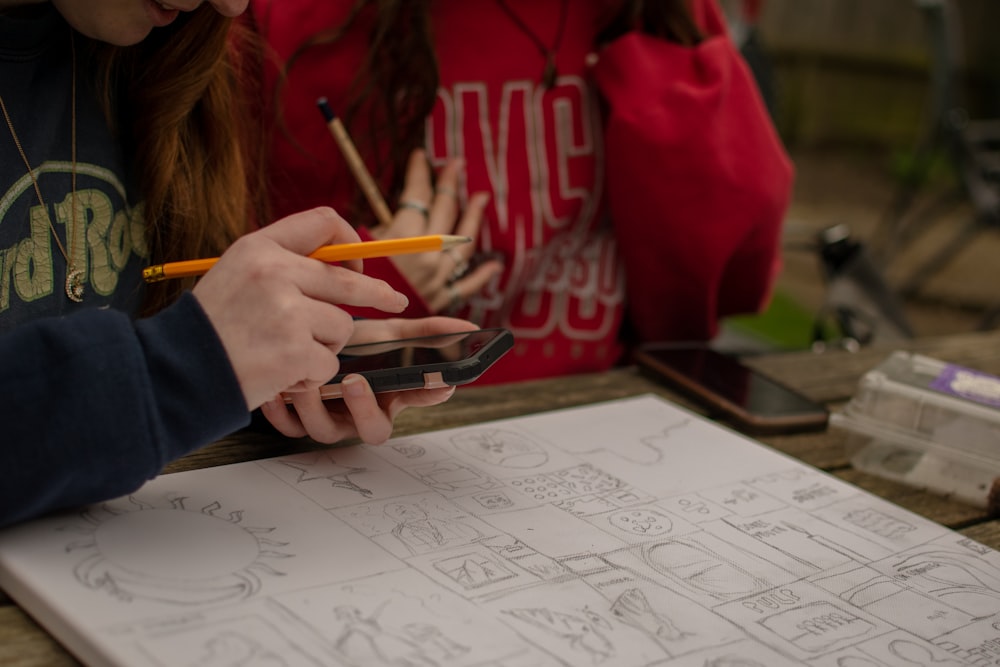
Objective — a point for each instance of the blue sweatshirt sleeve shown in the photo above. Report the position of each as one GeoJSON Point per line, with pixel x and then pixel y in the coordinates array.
{"type": "Point", "coordinates": [94, 404]}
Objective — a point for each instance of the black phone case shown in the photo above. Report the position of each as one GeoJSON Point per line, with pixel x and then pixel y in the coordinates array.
{"type": "Point", "coordinates": [430, 375]}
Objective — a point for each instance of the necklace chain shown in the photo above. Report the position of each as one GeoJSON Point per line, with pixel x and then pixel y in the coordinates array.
{"type": "Point", "coordinates": [74, 277]}
{"type": "Point", "coordinates": [549, 74]}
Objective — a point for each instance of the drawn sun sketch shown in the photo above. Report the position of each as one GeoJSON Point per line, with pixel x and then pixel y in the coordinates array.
{"type": "Point", "coordinates": [175, 555]}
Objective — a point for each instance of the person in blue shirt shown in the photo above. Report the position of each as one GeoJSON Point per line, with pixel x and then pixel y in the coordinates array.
{"type": "Point", "coordinates": [123, 143]}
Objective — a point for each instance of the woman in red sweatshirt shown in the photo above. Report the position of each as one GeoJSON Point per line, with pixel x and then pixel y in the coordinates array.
{"type": "Point", "coordinates": [613, 158]}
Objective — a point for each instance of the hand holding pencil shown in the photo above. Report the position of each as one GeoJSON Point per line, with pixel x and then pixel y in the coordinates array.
{"type": "Point", "coordinates": [444, 280]}
{"type": "Point", "coordinates": [278, 313]}
{"type": "Point", "coordinates": [281, 317]}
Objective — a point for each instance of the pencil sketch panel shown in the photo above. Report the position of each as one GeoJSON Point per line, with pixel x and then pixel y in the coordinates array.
{"type": "Point", "coordinates": [803, 544]}
{"type": "Point", "coordinates": [642, 599]}
{"type": "Point", "coordinates": [880, 522]}
{"type": "Point", "coordinates": [803, 621]}
{"type": "Point", "coordinates": [742, 499]}
{"type": "Point", "coordinates": [803, 487]}
{"type": "Point", "coordinates": [241, 640]}
{"type": "Point", "coordinates": [416, 524]}
{"type": "Point", "coordinates": [883, 596]}
{"type": "Point", "coordinates": [404, 619]}
{"type": "Point", "coordinates": [413, 450]}
{"type": "Point", "coordinates": [554, 532]}
{"type": "Point", "coordinates": [341, 477]}
{"type": "Point", "coordinates": [896, 648]}
{"type": "Point", "coordinates": [694, 508]}
{"type": "Point", "coordinates": [493, 501]}
{"type": "Point", "coordinates": [746, 653]}
{"type": "Point", "coordinates": [576, 624]}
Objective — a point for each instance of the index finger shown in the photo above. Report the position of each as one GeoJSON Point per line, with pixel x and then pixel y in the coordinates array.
{"type": "Point", "coordinates": [304, 232]}
{"type": "Point", "coordinates": [444, 209]}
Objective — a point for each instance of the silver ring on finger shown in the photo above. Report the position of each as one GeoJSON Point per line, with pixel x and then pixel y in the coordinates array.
{"type": "Point", "coordinates": [417, 206]}
{"type": "Point", "coordinates": [445, 190]}
{"type": "Point", "coordinates": [461, 264]}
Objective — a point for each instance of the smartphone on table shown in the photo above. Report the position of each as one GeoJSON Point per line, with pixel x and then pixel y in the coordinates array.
{"type": "Point", "coordinates": [730, 390]}
{"type": "Point", "coordinates": [421, 363]}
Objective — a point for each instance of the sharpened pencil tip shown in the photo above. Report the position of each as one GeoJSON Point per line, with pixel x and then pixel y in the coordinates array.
{"type": "Point", "coordinates": [450, 240]}
{"type": "Point", "coordinates": [324, 106]}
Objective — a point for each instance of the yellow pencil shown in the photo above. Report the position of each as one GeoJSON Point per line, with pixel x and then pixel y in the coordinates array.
{"type": "Point", "coordinates": [356, 164]}
{"type": "Point", "coordinates": [328, 253]}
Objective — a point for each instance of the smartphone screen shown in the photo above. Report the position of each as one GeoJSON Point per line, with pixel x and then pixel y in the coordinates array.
{"type": "Point", "coordinates": [721, 383]}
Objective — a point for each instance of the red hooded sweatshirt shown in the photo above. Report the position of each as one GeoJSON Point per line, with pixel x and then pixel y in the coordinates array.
{"type": "Point", "coordinates": [647, 185]}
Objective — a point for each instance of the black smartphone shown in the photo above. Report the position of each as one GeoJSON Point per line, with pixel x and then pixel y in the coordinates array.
{"type": "Point", "coordinates": [421, 363]}
{"type": "Point", "coordinates": [730, 390]}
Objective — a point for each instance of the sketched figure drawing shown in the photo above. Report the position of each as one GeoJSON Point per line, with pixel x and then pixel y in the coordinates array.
{"type": "Point", "coordinates": [421, 533]}
{"type": "Point", "coordinates": [364, 640]}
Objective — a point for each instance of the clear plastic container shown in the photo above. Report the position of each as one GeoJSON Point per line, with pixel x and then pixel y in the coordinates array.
{"type": "Point", "coordinates": [930, 424]}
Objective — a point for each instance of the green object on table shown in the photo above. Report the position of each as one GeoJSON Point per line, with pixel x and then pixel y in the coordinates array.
{"type": "Point", "coordinates": [784, 325]}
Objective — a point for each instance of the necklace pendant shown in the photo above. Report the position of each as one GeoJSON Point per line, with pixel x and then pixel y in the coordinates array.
{"type": "Point", "coordinates": [74, 285]}
{"type": "Point", "coordinates": [549, 74]}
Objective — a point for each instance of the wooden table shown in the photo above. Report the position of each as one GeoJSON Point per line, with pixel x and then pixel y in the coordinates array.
{"type": "Point", "coordinates": [830, 378]}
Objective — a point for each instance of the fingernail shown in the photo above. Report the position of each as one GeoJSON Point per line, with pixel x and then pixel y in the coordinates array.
{"type": "Point", "coordinates": [401, 301]}
{"type": "Point", "coordinates": [354, 385]}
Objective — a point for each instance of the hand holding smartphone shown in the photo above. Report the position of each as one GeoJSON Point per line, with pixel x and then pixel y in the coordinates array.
{"type": "Point", "coordinates": [421, 363]}
{"type": "Point", "coordinates": [753, 402]}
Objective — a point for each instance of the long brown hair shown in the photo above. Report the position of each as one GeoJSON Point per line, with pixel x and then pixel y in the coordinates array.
{"type": "Point", "coordinates": [396, 88]}
{"type": "Point", "coordinates": [175, 102]}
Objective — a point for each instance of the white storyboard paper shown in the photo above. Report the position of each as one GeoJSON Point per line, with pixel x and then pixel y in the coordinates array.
{"type": "Point", "coordinates": [630, 532]}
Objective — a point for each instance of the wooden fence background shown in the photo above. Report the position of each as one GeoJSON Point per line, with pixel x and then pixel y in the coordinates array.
{"type": "Point", "coordinates": [858, 71]}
